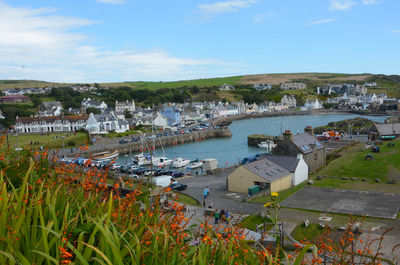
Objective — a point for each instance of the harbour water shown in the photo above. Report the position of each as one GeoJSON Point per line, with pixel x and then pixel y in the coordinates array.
{"type": "Point", "coordinates": [231, 150]}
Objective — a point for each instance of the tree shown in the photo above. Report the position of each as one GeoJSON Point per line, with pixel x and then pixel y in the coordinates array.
{"type": "Point", "coordinates": [128, 114]}
{"type": "Point", "coordinates": [93, 110]}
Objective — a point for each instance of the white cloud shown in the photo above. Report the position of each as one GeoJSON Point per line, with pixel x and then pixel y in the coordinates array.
{"type": "Point", "coordinates": [394, 31]}
{"type": "Point", "coordinates": [341, 4]}
{"type": "Point", "coordinates": [370, 2]}
{"type": "Point", "coordinates": [257, 18]}
{"type": "Point", "coordinates": [226, 6]}
{"type": "Point", "coordinates": [38, 44]}
{"type": "Point", "coordinates": [322, 21]}
{"type": "Point", "coordinates": [112, 1]}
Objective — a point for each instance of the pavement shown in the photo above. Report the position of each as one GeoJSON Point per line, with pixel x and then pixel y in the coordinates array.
{"type": "Point", "coordinates": [364, 203]}
{"type": "Point", "coordinates": [220, 197]}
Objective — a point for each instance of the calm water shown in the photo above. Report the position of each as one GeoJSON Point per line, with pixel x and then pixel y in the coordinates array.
{"type": "Point", "coordinates": [233, 149]}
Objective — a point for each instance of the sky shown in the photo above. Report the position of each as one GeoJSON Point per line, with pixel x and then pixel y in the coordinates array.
{"type": "Point", "coordinates": [159, 40]}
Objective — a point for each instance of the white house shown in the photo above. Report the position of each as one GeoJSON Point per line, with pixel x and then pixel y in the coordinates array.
{"type": "Point", "coordinates": [290, 101]}
{"type": "Point", "coordinates": [294, 164]}
{"type": "Point", "coordinates": [232, 109]}
{"type": "Point", "coordinates": [313, 104]}
{"type": "Point", "coordinates": [160, 121]}
{"type": "Point", "coordinates": [49, 124]}
{"type": "Point", "coordinates": [221, 110]}
{"type": "Point", "coordinates": [105, 123]}
{"type": "Point", "coordinates": [226, 87]}
{"type": "Point", "coordinates": [89, 103]}
{"type": "Point", "coordinates": [125, 106]}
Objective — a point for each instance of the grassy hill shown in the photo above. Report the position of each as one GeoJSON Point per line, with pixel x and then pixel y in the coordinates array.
{"type": "Point", "coordinates": [275, 79]}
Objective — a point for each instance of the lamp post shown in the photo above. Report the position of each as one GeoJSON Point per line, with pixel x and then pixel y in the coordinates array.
{"type": "Point", "coordinates": [62, 137]}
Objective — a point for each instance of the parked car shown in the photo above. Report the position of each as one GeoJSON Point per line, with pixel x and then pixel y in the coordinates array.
{"type": "Point", "coordinates": [123, 141]}
{"type": "Point", "coordinates": [166, 134]}
{"type": "Point", "coordinates": [160, 172]}
{"type": "Point", "coordinates": [178, 186]}
{"type": "Point", "coordinates": [177, 174]}
{"type": "Point", "coordinates": [115, 166]}
{"type": "Point", "coordinates": [134, 139]}
{"type": "Point", "coordinates": [186, 131]}
{"type": "Point", "coordinates": [139, 171]}
{"type": "Point", "coordinates": [159, 135]}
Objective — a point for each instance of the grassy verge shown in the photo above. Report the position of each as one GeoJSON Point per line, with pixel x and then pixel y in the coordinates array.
{"type": "Point", "coordinates": [282, 195]}
{"type": "Point", "coordinates": [251, 221]}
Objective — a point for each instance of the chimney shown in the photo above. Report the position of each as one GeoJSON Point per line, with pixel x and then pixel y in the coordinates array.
{"type": "Point", "coordinates": [287, 136]}
{"type": "Point", "coordinates": [309, 129]}
{"type": "Point", "coordinates": [299, 156]}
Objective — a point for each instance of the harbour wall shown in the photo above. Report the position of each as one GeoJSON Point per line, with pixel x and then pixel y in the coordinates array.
{"type": "Point", "coordinates": [157, 142]}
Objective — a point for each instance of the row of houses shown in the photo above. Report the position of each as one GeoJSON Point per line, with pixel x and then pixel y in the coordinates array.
{"type": "Point", "coordinates": [27, 91]}
{"type": "Point", "coordinates": [345, 88]}
{"type": "Point", "coordinates": [264, 86]}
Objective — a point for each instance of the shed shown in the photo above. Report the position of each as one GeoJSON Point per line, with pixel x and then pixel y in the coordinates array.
{"type": "Point", "coordinates": [264, 173]}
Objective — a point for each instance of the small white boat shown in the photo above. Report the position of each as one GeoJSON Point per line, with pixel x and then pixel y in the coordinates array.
{"type": "Point", "coordinates": [142, 160]}
{"type": "Point", "coordinates": [180, 162]}
{"type": "Point", "coordinates": [269, 145]}
{"type": "Point", "coordinates": [194, 165]}
{"type": "Point", "coordinates": [161, 161]}
{"type": "Point", "coordinates": [103, 156]}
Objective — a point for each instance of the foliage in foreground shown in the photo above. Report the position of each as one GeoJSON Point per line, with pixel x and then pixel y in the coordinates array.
{"type": "Point", "coordinates": [65, 214]}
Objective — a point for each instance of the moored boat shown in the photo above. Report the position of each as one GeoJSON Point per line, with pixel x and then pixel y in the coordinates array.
{"type": "Point", "coordinates": [161, 161]}
{"type": "Point", "coordinates": [180, 162]}
{"type": "Point", "coordinates": [106, 155]}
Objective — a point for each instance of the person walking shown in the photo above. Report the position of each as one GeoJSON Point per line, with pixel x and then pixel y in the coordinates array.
{"type": "Point", "coordinates": [222, 215]}
{"type": "Point", "coordinates": [206, 192]}
{"type": "Point", "coordinates": [216, 215]}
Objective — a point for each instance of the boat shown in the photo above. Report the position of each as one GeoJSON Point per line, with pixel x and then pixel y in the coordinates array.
{"type": "Point", "coordinates": [141, 159]}
{"type": "Point", "coordinates": [106, 155]}
{"type": "Point", "coordinates": [180, 162]}
{"type": "Point", "coordinates": [269, 145]}
{"type": "Point", "coordinates": [194, 165]}
{"type": "Point", "coordinates": [161, 161]}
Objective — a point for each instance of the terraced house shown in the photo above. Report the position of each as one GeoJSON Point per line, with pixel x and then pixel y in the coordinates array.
{"type": "Point", "coordinates": [49, 124]}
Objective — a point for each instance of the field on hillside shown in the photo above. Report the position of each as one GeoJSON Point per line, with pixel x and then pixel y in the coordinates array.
{"type": "Point", "coordinates": [7, 84]}
{"type": "Point", "coordinates": [276, 79]}
{"type": "Point", "coordinates": [209, 82]}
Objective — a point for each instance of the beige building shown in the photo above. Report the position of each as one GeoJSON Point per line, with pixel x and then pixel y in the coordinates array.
{"type": "Point", "coordinates": [264, 173]}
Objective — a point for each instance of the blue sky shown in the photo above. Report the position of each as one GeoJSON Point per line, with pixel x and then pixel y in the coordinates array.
{"type": "Point", "coordinates": [131, 40]}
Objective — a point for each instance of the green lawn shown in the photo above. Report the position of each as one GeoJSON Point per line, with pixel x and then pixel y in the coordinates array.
{"type": "Point", "coordinates": [310, 233]}
{"type": "Point", "coordinates": [186, 199]}
{"type": "Point", "coordinates": [385, 165]}
{"type": "Point", "coordinates": [48, 141]}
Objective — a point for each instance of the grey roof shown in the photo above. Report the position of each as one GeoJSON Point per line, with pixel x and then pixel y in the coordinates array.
{"type": "Point", "coordinates": [267, 169]}
{"type": "Point", "coordinates": [287, 162]}
{"type": "Point", "coordinates": [307, 143]}
{"type": "Point", "coordinates": [388, 129]}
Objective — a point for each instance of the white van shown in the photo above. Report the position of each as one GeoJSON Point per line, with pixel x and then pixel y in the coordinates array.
{"type": "Point", "coordinates": [163, 181]}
